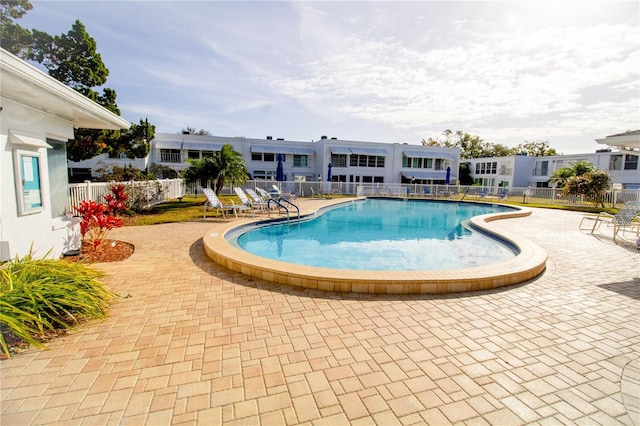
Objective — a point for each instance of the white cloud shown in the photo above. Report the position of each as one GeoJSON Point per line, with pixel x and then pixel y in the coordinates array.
{"type": "Point", "coordinates": [507, 71]}
{"type": "Point", "coordinates": [494, 76]}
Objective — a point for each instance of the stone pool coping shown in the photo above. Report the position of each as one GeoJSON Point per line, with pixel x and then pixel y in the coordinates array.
{"type": "Point", "coordinates": [527, 265]}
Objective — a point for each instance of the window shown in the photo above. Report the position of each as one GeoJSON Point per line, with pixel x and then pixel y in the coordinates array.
{"type": "Point", "coordinates": [121, 155]}
{"type": "Point", "coordinates": [58, 180]}
{"type": "Point", "coordinates": [300, 160]}
{"type": "Point", "coordinates": [615, 162]}
{"type": "Point", "coordinates": [630, 162]}
{"type": "Point", "coordinates": [193, 155]}
{"type": "Point", "coordinates": [489, 168]}
{"type": "Point", "coordinates": [412, 162]}
{"type": "Point", "coordinates": [265, 156]}
{"type": "Point", "coordinates": [28, 188]}
{"type": "Point", "coordinates": [264, 174]}
{"type": "Point", "coordinates": [339, 160]}
{"type": "Point", "coordinates": [170, 156]}
{"type": "Point", "coordinates": [207, 154]}
{"type": "Point", "coordinates": [541, 168]}
{"type": "Point", "coordinates": [356, 160]}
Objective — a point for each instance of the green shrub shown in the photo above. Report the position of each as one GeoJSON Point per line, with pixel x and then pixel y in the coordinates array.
{"type": "Point", "coordinates": [39, 296]}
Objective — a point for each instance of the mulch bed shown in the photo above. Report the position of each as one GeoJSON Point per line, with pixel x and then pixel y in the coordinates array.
{"type": "Point", "coordinates": [107, 251]}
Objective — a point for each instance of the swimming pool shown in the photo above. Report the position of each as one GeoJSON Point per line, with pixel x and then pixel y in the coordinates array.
{"type": "Point", "coordinates": [526, 265]}
{"type": "Point", "coordinates": [382, 234]}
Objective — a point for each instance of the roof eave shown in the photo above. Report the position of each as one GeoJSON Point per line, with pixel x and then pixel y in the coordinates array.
{"type": "Point", "coordinates": [84, 112]}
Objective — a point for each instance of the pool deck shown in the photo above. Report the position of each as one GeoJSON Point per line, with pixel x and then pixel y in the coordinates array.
{"type": "Point", "coordinates": [191, 342]}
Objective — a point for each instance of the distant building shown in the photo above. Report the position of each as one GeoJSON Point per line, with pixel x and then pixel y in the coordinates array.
{"type": "Point", "coordinates": [523, 171]}
{"type": "Point", "coordinates": [501, 172]}
{"type": "Point", "coordinates": [352, 162]}
{"type": "Point", "coordinates": [355, 162]}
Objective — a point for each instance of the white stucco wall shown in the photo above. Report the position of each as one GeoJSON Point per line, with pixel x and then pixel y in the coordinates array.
{"type": "Point", "coordinates": [43, 230]}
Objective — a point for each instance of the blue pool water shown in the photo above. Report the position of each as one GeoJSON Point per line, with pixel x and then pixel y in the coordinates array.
{"type": "Point", "coordinates": [382, 234]}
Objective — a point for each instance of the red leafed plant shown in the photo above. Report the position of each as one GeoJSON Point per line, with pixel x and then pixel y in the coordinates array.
{"type": "Point", "coordinates": [98, 219]}
{"type": "Point", "coordinates": [116, 200]}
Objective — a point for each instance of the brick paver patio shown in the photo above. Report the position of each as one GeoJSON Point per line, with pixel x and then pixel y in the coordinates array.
{"type": "Point", "coordinates": [190, 342]}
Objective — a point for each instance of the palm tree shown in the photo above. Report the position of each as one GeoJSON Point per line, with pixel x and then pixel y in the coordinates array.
{"type": "Point", "coordinates": [577, 168]}
{"type": "Point", "coordinates": [202, 171]}
{"type": "Point", "coordinates": [583, 178]}
{"type": "Point", "coordinates": [230, 167]}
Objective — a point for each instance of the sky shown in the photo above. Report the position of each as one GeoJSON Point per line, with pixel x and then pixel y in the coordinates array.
{"type": "Point", "coordinates": [397, 72]}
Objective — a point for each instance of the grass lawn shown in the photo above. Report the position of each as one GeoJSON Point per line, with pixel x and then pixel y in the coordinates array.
{"type": "Point", "coordinates": [189, 208]}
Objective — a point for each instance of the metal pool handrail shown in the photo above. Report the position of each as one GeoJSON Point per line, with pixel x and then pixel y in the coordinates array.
{"type": "Point", "coordinates": [279, 203]}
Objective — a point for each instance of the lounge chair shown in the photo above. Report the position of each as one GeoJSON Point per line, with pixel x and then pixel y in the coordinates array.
{"type": "Point", "coordinates": [503, 194]}
{"type": "Point", "coordinates": [279, 194]}
{"type": "Point", "coordinates": [427, 191]}
{"type": "Point", "coordinates": [258, 199]}
{"type": "Point", "coordinates": [265, 194]}
{"type": "Point", "coordinates": [254, 205]}
{"type": "Point", "coordinates": [214, 203]}
{"type": "Point", "coordinates": [255, 197]}
{"type": "Point", "coordinates": [627, 217]}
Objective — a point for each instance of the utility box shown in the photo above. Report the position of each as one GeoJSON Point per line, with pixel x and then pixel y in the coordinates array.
{"type": "Point", "coordinates": [5, 255]}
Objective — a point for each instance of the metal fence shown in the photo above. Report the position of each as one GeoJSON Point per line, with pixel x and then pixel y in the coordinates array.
{"type": "Point", "coordinates": [142, 194]}
{"type": "Point", "coordinates": [614, 198]}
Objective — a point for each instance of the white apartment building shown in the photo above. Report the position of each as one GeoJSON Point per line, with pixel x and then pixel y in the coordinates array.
{"type": "Point", "coordinates": [352, 162]}
{"type": "Point", "coordinates": [501, 172]}
{"type": "Point", "coordinates": [356, 162]}
{"type": "Point", "coordinates": [521, 171]}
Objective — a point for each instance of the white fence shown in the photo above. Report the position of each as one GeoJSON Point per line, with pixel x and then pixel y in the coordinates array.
{"type": "Point", "coordinates": [143, 194]}
{"type": "Point", "coordinates": [614, 198]}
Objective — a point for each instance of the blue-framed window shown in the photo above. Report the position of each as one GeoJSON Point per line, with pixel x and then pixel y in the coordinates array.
{"type": "Point", "coordinates": [28, 182]}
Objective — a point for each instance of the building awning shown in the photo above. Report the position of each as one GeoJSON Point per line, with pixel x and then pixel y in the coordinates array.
{"type": "Point", "coordinates": [358, 151]}
{"type": "Point", "coordinates": [433, 175]}
{"type": "Point", "coordinates": [369, 151]}
{"type": "Point", "coordinates": [168, 144]}
{"type": "Point", "coordinates": [20, 139]}
{"type": "Point", "coordinates": [202, 146]}
{"type": "Point", "coordinates": [304, 151]}
{"type": "Point", "coordinates": [428, 154]}
{"type": "Point", "coordinates": [265, 149]}
{"type": "Point", "coordinates": [340, 150]}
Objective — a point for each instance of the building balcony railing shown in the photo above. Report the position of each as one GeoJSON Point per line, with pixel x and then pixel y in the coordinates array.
{"type": "Point", "coordinates": [170, 158]}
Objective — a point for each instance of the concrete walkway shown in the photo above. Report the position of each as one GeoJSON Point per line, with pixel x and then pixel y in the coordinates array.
{"type": "Point", "coordinates": [192, 343]}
